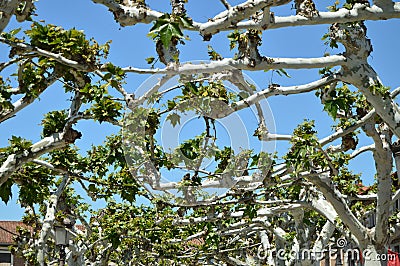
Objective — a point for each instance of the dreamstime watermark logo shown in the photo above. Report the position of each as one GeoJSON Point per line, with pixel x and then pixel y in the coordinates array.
{"type": "Point", "coordinates": [340, 250]}
{"type": "Point", "coordinates": [173, 140]}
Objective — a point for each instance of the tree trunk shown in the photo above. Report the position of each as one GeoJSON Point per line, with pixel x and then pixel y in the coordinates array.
{"type": "Point", "coordinates": [374, 257]}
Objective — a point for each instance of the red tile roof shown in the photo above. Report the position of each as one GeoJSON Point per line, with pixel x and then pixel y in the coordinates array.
{"type": "Point", "coordinates": [363, 190]}
{"type": "Point", "coordinates": [80, 227]}
{"type": "Point", "coordinates": [8, 230]}
{"type": "Point", "coordinates": [196, 241]}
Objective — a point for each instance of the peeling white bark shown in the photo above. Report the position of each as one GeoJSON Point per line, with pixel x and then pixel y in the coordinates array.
{"type": "Point", "coordinates": [359, 73]}
{"type": "Point", "coordinates": [48, 221]}
{"type": "Point", "coordinates": [57, 57]}
{"type": "Point", "coordinates": [244, 64]}
{"type": "Point", "coordinates": [333, 196]}
{"type": "Point", "coordinates": [26, 101]}
{"type": "Point", "coordinates": [7, 8]}
{"type": "Point", "coordinates": [340, 133]}
{"type": "Point", "coordinates": [355, 69]}
{"type": "Point", "coordinates": [357, 13]}
{"type": "Point", "coordinates": [266, 248]}
{"type": "Point", "coordinates": [325, 208]}
{"type": "Point", "coordinates": [263, 212]}
{"type": "Point", "coordinates": [383, 164]}
{"type": "Point", "coordinates": [277, 90]}
{"type": "Point", "coordinates": [363, 78]}
{"type": "Point", "coordinates": [233, 15]}
{"type": "Point", "coordinates": [15, 161]}
{"type": "Point", "coordinates": [130, 15]}
{"type": "Point", "coordinates": [362, 150]}
{"type": "Point", "coordinates": [323, 239]}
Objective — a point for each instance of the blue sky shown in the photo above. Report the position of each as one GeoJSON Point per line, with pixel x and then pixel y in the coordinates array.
{"type": "Point", "coordinates": [130, 46]}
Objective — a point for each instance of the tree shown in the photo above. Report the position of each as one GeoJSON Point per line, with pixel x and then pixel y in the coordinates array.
{"type": "Point", "coordinates": [272, 205]}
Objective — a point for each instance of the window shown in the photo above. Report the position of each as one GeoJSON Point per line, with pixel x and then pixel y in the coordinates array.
{"type": "Point", "coordinates": [5, 258]}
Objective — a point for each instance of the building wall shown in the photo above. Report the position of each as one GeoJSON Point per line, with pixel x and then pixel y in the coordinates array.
{"type": "Point", "coordinates": [18, 261]}
{"type": "Point", "coordinates": [15, 261]}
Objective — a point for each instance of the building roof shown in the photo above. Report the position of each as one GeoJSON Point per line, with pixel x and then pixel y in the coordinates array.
{"type": "Point", "coordinates": [197, 241]}
{"type": "Point", "coordinates": [8, 230]}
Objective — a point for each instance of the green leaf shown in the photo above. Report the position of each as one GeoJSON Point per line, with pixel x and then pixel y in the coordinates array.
{"type": "Point", "coordinates": [5, 191]}
{"type": "Point", "coordinates": [282, 72]}
{"type": "Point", "coordinates": [254, 160]}
{"type": "Point", "coordinates": [171, 104]}
{"type": "Point", "coordinates": [213, 54]}
{"type": "Point", "coordinates": [186, 22]}
{"type": "Point", "coordinates": [174, 118]}
{"type": "Point", "coordinates": [165, 34]}
{"type": "Point", "coordinates": [110, 67]}
{"type": "Point", "coordinates": [250, 212]}
{"type": "Point", "coordinates": [114, 83]}
{"type": "Point", "coordinates": [158, 24]}
{"type": "Point", "coordinates": [332, 108]}
{"type": "Point", "coordinates": [15, 31]}
{"type": "Point", "coordinates": [107, 76]}
{"type": "Point", "coordinates": [92, 188]}
{"type": "Point", "coordinates": [106, 109]}
{"type": "Point", "coordinates": [54, 122]}
{"type": "Point", "coordinates": [150, 60]}
{"type": "Point", "coordinates": [168, 31]}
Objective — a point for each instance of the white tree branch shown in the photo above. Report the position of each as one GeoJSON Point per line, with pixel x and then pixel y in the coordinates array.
{"type": "Point", "coordinates": [228, 64]}
{"type": "Point", "coordinates": [48, 222]}
{"type": "Point", "coordinates": [25, 101]}
{"type": "Point", "coordinates": [38, 51]}
{"type": "Point", "coordinates": [362, 150]}
{"type": "Point", "coordinates": [323, 239]}
{"type": "Point", "coordinates": [235, 14]}
{"type": "Point", "coordinates": [340, 133]}
{"type": "Point", "coordinates": [263, 212]}
{"type": "Point", "coordinates": [226, 4]}
{"type": "Point", "coordinates": [130, 15]}
{"type": "Point", "coordinates": [358, 13]}
{"type": "Point", "coordinates": [342, 209]}
{"type": "Point", "coordinates": [385, 107]}
{"type": "Point", "coordinates": [383, 164]}
{"type": "Point", "coordinates": [15, 161]}
{"type": "Point", "coordinates": [7, 8]}
{"type": "Point", "coordinates": [277, 90]}
{"type": "Point", "coordinates": [136, 102]}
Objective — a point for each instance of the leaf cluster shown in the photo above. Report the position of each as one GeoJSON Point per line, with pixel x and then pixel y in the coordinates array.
{"type": "Point", "coordinates": [168, 28]}
{"type": "Point", "coordinates": [105, 110]}
{"type": "Point", "coordinates": [240, 38]}
{"type": "Point", "coordinates": [5, 96]}
{"type": "Point", "coordinates": [303, 155]}
{"type": "Point", "coordinates": [53, 122]}
{"type": "Point", "coordinates": [72, 43]}
{"type": "Point", "coordinates": [381, 90]}
{"type": "Point", "coordinates": [137, 231]}
{"type": "Point", "coordinates": [339, 99]}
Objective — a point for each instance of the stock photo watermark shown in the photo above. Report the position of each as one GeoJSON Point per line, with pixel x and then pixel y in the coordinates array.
{"type": "Point", "coordinates": [334, 251]}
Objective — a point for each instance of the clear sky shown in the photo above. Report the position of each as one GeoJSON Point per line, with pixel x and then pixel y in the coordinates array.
{"type": "Point", "coordinates": [130, 47]}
